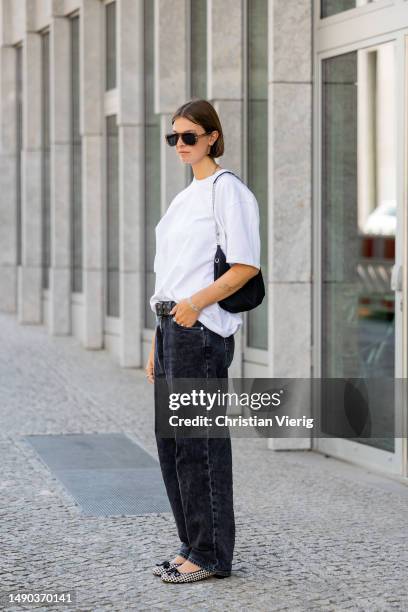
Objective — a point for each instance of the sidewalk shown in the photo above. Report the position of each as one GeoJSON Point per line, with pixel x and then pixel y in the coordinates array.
{"type": "Point", "coordinates": [313, 533]}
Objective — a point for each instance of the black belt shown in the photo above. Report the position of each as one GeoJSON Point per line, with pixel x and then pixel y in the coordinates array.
{"type": "Point", "coordinates": [163, 308]}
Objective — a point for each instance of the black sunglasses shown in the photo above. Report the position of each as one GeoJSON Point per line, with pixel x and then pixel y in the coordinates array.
{"type": "Point", "coordinates": [189, 138]}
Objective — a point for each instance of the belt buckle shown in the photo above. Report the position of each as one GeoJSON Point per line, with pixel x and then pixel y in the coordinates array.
{"type": "Point", "coordinates": [161, 309]}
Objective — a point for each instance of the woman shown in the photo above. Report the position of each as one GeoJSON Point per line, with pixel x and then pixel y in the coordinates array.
{"type": "Point", "coordinates": [194, 336]}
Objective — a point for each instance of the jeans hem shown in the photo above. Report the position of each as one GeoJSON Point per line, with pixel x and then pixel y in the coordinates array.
{"type": "Point", "coordinates": [211, 567]}
{"type": "Point", "coordinates": [184, 551]}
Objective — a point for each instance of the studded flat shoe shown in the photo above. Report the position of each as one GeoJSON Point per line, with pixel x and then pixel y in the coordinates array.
{"type": "Point", "coordinates": [159, 568]}
{"type": "Point", "coordinates": [173, 575]}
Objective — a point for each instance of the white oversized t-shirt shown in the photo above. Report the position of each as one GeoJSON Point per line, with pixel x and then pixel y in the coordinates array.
{"type": "Point", "coordinates": [186, 243]}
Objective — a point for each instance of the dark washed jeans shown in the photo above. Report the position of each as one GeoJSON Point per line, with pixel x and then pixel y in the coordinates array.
{"type": "Point", "coordinates": [197, 472]}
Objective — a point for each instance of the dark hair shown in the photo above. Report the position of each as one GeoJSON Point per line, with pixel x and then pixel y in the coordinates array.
{"type": "Point", "coordinates": [203, 113]}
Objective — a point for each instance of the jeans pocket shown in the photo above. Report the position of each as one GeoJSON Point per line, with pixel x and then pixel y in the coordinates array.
{"type": "Point", "coordinates": [197, 326]}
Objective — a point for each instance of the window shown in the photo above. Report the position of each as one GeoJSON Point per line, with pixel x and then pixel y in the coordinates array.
{"type": "Point", "coordinates": [198, 53]}
{"type": "Point", "coordinates": [198, 47]}
{"type": "Point", "coordinates": [110, 21]}
{"type": "Point", "coordinates": [45, 158]}
{"type": "Point", "coordinates": [359, 223]}
{"type": "Point", "coordinates": [76, 157]}
{"type": "Point", "coordinates": [112, 204]}
{"type": "Point", "coordinates": [112, 165]}
{"type": "Point", "coordinates": [332, 7]}
{"type": "Point", "coordinates": [19, 140]}
{"type": "Point", "coordinates": [257, 148]}
{"type": "Point", "coordinates": [152, 164]}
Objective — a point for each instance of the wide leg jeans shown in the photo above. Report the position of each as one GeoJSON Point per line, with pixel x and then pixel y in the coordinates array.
{"type": "Point", "coordinates": [197, 472]}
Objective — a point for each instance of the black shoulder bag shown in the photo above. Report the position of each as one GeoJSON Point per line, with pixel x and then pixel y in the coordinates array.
{"type": "Point", "coordinates": [253, 292]}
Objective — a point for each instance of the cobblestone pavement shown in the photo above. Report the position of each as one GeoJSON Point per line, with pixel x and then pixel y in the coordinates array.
{"type": "Point", "coordinates": [313, 533]}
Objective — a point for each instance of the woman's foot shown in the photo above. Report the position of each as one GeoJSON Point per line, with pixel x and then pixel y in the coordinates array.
{"type": "Point", "coordinates": [179, 559]}
{"type": "Point", "coordinates": [186, 572]}
{"type": "Point", "coordinates": [188, 566]}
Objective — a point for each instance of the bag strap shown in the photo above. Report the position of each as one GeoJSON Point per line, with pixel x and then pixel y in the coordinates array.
{"type": "Point", "coordinates": [217, 233]}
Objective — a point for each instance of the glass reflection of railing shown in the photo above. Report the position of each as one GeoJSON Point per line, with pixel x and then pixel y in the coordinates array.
{"type": "Point", "coordinates": [374, 275]}
{"type": "Point", "coordinates": [374, 286]}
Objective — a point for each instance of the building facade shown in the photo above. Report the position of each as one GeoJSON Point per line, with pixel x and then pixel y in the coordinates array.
{"type": "Point", "coordinates": [312, 96]}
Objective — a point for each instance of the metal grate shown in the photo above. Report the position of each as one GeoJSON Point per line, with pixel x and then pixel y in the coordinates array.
{"type": "Point", "coordinates": [106, 474]}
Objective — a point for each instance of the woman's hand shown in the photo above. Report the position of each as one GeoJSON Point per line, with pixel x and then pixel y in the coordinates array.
{"type": "Point", "coordinates": [183, 314]}
{"type": "Point", "coordinates": [150, 367]}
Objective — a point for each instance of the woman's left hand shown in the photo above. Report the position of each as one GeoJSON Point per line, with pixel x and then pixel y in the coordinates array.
{"type": "Point", "coordinates": [183, 314]}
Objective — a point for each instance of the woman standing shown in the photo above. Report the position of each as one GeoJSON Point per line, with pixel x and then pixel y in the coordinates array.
{"type": "Point", "coordinates": [194, 336]}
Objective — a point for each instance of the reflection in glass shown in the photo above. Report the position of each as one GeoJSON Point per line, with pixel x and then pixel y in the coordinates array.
{"type": "Point", "coordinates": [332, 7]}
{"type": "Point", "coordinates": [198, 48]}
{"type": "Point", "coordinates": [76, 161]}
{"type": "Point", "coordinates": [257, 121]}
{"type": "Point", "coordinates": [358, 219]}
{"type": "Point", "coordinates": [112, 202]}
{"type": "Point", "coordinates": [110, 20]}
{"type": "Point", "coordinates": [45, 159]}
{"type": "Point", "coordinates": [152, 164]}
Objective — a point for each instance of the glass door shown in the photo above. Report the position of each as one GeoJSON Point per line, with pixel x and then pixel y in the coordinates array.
{"type": "Point", "coordinates": [359, 232]}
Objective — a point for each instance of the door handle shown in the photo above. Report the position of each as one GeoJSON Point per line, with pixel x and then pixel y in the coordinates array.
{"type": "Point", "coordinates": [396, 278]}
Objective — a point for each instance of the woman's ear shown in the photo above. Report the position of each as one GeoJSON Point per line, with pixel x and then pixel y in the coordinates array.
{"type": "Point", "coordinates": [214, 137]}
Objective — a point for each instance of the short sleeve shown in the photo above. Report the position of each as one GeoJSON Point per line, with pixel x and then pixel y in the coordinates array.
{"type": "Point", "coordinates": [240, 222]}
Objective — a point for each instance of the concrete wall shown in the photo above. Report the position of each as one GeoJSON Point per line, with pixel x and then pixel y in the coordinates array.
{"type": "Point", "coordinates": [290, 229]}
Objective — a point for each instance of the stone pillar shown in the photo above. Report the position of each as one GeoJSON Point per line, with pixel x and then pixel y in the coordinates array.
{"type": "Point", "coordinates": [59, 318]}
{"type": "Point", "coordinates": [171, 84]}
{"type": "Point", "coordinates": [131, 180]}
{"type": "Point", "coordinates": [30, 272]}
{"type": "Point", "coordinates": [91, 122]}
{"type": "Point", "coordinates": [8, 160]}
{"type": "Point", "coordinates": [289, 219]}
{"type": "Point", "coordinates": [224, 90]}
